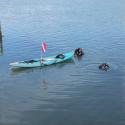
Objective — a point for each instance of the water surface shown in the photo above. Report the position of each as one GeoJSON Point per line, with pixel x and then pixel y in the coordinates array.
{"type": "Point", "coordinates": [70, 93]}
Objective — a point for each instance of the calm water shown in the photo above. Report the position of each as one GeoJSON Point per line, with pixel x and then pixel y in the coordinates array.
{"type": "Point", "coordinates": [71, 93]}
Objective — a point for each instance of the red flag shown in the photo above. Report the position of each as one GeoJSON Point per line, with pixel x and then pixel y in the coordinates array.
{"type": "Point", "coordinates": [44, 46]}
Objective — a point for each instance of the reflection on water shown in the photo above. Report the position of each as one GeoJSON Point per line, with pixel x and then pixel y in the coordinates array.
{"type": "Point", "coordinates": [45, 83]}
{"type": "Point", "coordinates": [1, 48]}
{"type": "Point", "coordinates": [1, 42]}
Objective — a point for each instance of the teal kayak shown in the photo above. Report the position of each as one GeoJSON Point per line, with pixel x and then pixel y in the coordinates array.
{"type": "Point", "coordinates": [44, 61]}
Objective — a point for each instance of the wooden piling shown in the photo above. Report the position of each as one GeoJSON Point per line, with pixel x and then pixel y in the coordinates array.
{"type": "Point", "coordinates": [1, 42]}
{"type": "Point", "coordinates": [0, 33]}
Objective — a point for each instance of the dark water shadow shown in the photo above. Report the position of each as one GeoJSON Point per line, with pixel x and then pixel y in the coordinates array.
{"type": "Point", "coordinates": [16, 71]}
{"type": "Point", "coordinates": [80, 58]}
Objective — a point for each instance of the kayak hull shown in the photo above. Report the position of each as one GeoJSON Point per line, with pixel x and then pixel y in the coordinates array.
{"type": "Point", "coordinates": [42, 62]}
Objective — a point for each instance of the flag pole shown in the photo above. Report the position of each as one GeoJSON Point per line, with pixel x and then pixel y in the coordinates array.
{"type": "Point", "coordinates": [41, 58]}
{"type": "Point", "coordinates": [41, 55]}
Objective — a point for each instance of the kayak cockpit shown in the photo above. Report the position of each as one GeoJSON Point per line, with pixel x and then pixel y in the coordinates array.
{"type": "Point", "coordinates": [29, 61]}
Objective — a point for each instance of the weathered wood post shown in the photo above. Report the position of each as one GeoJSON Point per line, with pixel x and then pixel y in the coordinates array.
{"type": "Point", "coordinates": [1, 42]}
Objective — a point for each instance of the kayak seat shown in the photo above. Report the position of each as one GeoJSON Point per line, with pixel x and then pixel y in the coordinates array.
{"type": "Point", "coordinates": [60, 56]}
{"type": "Point", "coordinates": [30, 61]}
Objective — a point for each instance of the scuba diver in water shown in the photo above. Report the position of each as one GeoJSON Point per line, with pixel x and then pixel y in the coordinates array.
{"type": "Point", "coordinates": [104, 66]}
{"type": "Point", "coordinates": [78, 52]}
